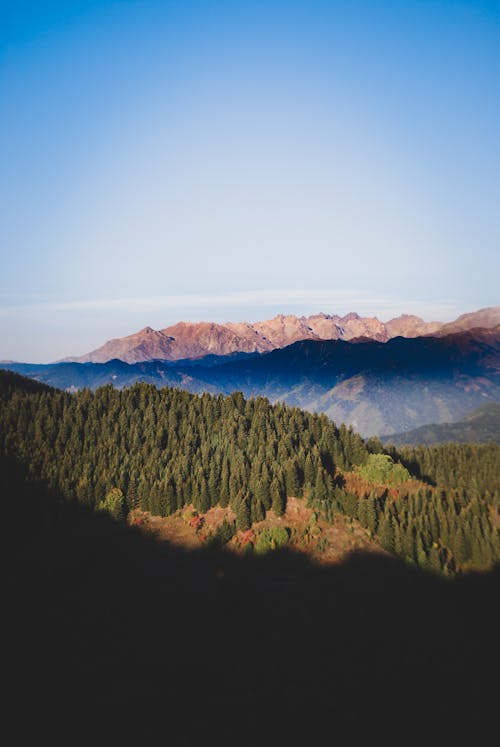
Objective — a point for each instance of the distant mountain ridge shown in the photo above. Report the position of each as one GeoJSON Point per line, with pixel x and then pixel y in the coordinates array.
{"type": "Point", "coordinates": [193, 340]}
{"type": "Point", "coordinates": [480, 426]}
{"type": "Point", "coordinates": [377, 387]}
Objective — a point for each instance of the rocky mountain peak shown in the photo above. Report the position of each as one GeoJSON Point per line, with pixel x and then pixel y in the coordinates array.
{"type": "Point", "coordinates": [198, 339]}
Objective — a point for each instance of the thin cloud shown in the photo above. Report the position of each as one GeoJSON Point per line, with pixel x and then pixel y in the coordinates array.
{"type": "Point", "coordinates": [303, 300]}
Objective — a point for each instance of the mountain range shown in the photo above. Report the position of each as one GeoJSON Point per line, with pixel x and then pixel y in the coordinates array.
{"type": "Point", "coordinates": [480, 426]}
{"type": "Point", "coordinates": [377, 387]}
{"type": "Point", "coordinates": [194, 340]}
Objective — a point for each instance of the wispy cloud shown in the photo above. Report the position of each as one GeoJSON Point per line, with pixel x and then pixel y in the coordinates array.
{"type": "Point", "coordinates": [296, 299]}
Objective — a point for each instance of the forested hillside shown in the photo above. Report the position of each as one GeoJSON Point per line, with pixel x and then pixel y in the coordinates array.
{"type": "Point", "coordinates": [112, 633]}
{"type": "Point", "coordinates": [163, 449]}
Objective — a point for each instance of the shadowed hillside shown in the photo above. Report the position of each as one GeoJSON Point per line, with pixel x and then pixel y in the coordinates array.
{"type": "Point", "coordinates": [113, 634]}
{"type": "Point", "coordinates": [480, 426]}
{"type": "Point", "coordinates": [167, 452]}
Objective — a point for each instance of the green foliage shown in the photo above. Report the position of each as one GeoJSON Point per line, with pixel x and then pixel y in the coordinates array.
{"type": "Point", "coordinates": [381, 468]}
{"type": "Point", "coordinates": [222, 534]}
{"type": "Point", "coordinates": [243, 515]}
{"type": "Point", "coordinates": [188, 514]}
{"type": "Point", "coordinates": [167, 448]}
{"type": "Point", "coordinates": [475, 467]}
{"type": "Point", "coordinates": [272, 538]}
{"type": "Point", "coordinates": [321, 545]}
{"type": "Point", "coordinates": [278, 498]}
{"type": "Point", "coordinates": [114, 504]}
{"type": "Point", "coordinates": [480, 426]}
{"type": "Point", "coordinates": [160, 450]}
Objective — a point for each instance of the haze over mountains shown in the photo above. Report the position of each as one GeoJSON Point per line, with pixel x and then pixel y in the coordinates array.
{"type": "Point", "coordinates": [188, 340]}
{"type": "Point", "coordinates": [481, 426]}
{"type": "Point", "coordinates": [378, 388]}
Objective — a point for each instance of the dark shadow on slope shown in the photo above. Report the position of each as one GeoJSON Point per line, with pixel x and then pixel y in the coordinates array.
{"type": "Point", "coordinates": [112, 635]}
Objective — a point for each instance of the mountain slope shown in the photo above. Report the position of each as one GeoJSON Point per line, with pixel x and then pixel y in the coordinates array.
{"type": "Point", "coordinates": [195, 340]}
{"type": "Point", "coordinates": [409, 325]}
{"type": "Point", "coordinates": [484, 318]}
{"type": "Point", "coordinates": [480, 426]}
{"type": "Point", "coordinates": [127, 623]}
{"type": "Point", "coordinates": [376, 387]}
{"type": "Point", "coordinates": [379, 388]}
{"type": "Point", "coordinates": [147, 344]}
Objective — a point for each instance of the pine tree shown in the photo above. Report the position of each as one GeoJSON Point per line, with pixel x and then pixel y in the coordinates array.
{"type": "Point", "coordinates": [459, 547]}
{"type": "Point", "coordinates": [371, 514]}
{"type": "Point", "coordinates": [257, 512]}
{"type": "Point", "coordinates": [114, 504]}
{"type": "Point", "coordinates": [320, 490]}
{"type": "Point", "coordinates": [292, 480]}
{"type": "Point", "coordinates": [242, 511]}
{"type": "Point", "coordinates": [434, 562]}
{"type": "Point", "coordinates": [278, 498]}
{"type": "Point", "coordinates": [309, 472]}
{"type": "Point", "coordinates": [420, 554]}
{"type": "Point", "coordinates": [203, 504]}
{"type": "Point", "coordinates": [386, 534]}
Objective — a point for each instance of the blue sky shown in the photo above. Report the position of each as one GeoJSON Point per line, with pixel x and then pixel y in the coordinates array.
{"type": "Point", "coordinates": [232, 160]}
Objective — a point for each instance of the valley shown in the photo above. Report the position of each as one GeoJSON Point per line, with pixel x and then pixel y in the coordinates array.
{"type": "Point", "coordinates": [379, 388]}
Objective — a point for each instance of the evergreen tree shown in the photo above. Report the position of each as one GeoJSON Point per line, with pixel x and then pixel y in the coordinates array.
{"type": "Point", "coordinates": [386, 534]}
{"type": "Point", "coordinates": [114, 504]}
{"type": "Point", "coordinates": [242, 511]}
{"type": "Point", "coordinates": [278, 498]}
{"type": "Point", "coordinates": [292, 478]}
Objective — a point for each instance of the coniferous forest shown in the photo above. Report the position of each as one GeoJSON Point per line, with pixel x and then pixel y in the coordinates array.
{"type": "Point", "coordinates": [159, 450]}
{"type": "Point", "coordinates": [112, 635]}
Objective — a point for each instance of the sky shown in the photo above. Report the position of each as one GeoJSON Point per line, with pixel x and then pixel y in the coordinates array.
{"type": "Point", "coordinates": [199, 160]}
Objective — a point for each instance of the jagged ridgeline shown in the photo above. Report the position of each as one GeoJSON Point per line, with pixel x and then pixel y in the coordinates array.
{"type": "Point", "coordinates": [159, 450]}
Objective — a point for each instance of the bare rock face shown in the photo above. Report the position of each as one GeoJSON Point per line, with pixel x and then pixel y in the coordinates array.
{"type": "Point", "coordinates": [284, 330]}
{"type": "Point", "coordinates": [485, 318]}
{"type": "Point", "coordinates": [348, 327]}
{"type": "Point", "coordinates": [409, 325]}
{"type": "Point", "coordinates": [356, 326]}
{"type": "Point", "coordinates": [147, 344]}
{"type": "Point", "coordinates": [325, 326]}
{"type": "Point", "coordinates": [195, 340]}
{"type": "Point", "coordinates": [258, 342]}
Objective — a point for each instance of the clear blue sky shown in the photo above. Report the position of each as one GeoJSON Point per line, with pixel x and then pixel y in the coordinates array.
{"type": "Point", "coordinates": [229, 160]}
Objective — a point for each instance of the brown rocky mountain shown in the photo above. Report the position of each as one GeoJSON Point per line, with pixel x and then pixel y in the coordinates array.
{"type": "Point", "coordinates": [325, 326]}
{"type": "Point", "coordinates": [485, 318]}
{"type": "Point", "coordinates": [196, 340]}
{"type": "Point", "coordinates": [147, 344]}
{"type": "Point", "coordinates": [182, 340]}
{"type": "Point", "coordinates": [247, 331]}
{"type": "Point", "coordinates": [348, 327]}
{"type": "Point", "coordinates": [284, 330]}
{"type": "Point", "coordinates": [409, 325]}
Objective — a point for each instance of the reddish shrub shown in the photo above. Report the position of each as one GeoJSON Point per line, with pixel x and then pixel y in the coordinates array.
{"type": "Point", "coordinates": [196, 522]}
{"type": "Point", "coordinates": [246, 536]}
